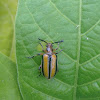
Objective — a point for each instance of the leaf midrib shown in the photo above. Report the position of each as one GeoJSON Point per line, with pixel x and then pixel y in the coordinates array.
{"type": "Point", "coordinates": [78, 52]}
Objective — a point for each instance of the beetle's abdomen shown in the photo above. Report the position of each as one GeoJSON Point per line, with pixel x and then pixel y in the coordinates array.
{"type": "Point", "coordinates": [49, 65]}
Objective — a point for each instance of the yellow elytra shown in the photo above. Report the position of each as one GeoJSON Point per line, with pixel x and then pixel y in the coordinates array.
{"type": "Point", "coordinates": [49, 65]}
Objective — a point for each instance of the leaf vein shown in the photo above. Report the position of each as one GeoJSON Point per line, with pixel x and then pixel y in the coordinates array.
{"type": "Point", "coordinates": [41, 91]}
{"type": "Point", "coordinates": [91, 28]}
{"type": "Point", "coordinates": [12, 20]}
{"type": "Point", "coordinates": [89, 82]}
{"type": "Point", "coordinates": [90, 60]}
{"type": "Point", "coordinates": [62, 13]}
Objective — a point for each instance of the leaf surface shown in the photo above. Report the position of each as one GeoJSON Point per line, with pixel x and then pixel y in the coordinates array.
{"type": "Point", "coordinates": [8, 79]}
{"type": "Point", "coordinates": [77, 22]}
{"type": "Point", "coordinates": [7, 16]}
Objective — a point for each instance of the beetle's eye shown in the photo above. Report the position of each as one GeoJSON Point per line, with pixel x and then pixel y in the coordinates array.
{"type": "Point", "coordinates": [51, 45]}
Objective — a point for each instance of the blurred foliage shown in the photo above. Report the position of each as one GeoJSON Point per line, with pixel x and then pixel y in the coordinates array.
{"type": "Point", "coordinates": [8, 79]}
{"type": "Point", "coordinates": [8, 73]}
{"type": "Point", "coordinates": [7, 19]}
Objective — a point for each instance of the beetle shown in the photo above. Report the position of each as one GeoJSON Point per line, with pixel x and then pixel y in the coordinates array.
{"type": "Point", "coordinates": [48, 65]}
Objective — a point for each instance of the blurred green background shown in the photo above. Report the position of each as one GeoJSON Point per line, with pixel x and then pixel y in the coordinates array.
{"type": "Point", "coordinates": [8, 72]}
{"type": "Point", "coordinates": [8, 10]}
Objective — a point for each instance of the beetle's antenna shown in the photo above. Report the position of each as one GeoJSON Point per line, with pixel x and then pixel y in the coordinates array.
{"type": "Point", "coordinates": [42, 40]}
{"type": "Point", "coordinates": [58, 42]}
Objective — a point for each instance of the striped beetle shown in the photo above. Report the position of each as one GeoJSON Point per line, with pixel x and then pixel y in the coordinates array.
{"type": "Point", "coordinates": [48, 65]}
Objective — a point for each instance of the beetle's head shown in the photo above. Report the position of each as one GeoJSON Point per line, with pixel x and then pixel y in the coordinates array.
{"type": "Point", "coordinates": [50, 45]}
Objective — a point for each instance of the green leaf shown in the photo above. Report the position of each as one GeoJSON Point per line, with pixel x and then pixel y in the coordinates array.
{"type": "Point", "coordinates": [8, 80]}
{"type": "Point", "coordinates": [7, 17]}
{"type": "Point", "coordinates": [77, 22]}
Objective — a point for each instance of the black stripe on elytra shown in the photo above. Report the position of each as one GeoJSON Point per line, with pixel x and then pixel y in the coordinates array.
{"type": "Point", "coordinates": [49, 66]}
{"type": "Point", "coordinates": [42, 65]}
{"type": "Point", "coordinates": [56, 69]}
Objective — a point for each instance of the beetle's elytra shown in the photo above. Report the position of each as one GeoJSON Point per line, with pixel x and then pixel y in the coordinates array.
{"type": "Point", "coordinates": [48, 65]}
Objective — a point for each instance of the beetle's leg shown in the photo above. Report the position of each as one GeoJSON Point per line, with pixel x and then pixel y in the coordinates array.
{"type": "Point", "coordinates": [35, 55]}
{"type": "Point", "coordinates": [42, 48]}
{"type": "Point", "coordinates": [56, 48]}
{"type": "Point", "coordinates": [42, 40]}
{"type": "Point", "coordinates": [58, 45]}
{"type": "Point", "coordinates": [40, 69]}
{"type": "Point", "coordinates": [58, 42]}
{"type": "Point", "coordinates": [59, 51]}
